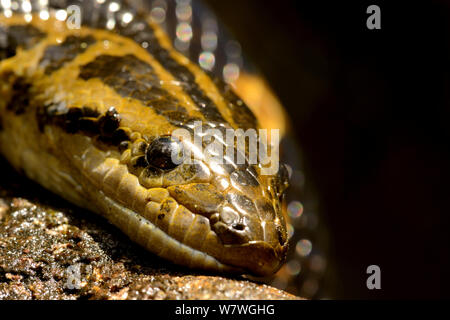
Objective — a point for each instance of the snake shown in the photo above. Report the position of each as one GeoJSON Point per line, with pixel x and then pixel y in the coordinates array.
{"type": "Point", "coordinates": [89, 114]}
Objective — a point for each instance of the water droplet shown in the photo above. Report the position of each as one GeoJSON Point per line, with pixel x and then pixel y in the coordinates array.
{"type": "Point", "coordinates": [181, 45]}
{"type": "Point", "coordinates": [231, 72]}
{"type": "Point", "coordinates": [295, 209]}
{"type": "Point", "coordinates": [44, 15]}
{"type": "Point", "coordinates": [127, 17]}
{"type": "Point", "coordinates": [209, 41]}
{"type": "Point", "coordinates": [290, 230]}
{"type": "Point", "coordinates": [303, 247]}
{"type": "Point", "coordinates": [114, 7]}
{"type": "Point", "coordinates": [183, 12]}
{"type": "Point", "coordinates": [26, 6]}
{"type": "Point", "coordinates": [28, 17]}
{"type": "Point", "coordinates": [158, 15]}
{"type": "Point", "coordinates": [207, 60]}
{"type": "Point", "coordinates": [184, 31]}
{"type": "Point", "coordinates": [61, 15]}
{"type": "Point", "coordinates": [6, 4]}
{"type": "Point", "coordinates": [110, 24]}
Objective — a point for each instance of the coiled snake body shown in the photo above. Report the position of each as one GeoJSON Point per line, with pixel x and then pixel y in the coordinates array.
{"type": "Point", "coordinates": [88, 113]}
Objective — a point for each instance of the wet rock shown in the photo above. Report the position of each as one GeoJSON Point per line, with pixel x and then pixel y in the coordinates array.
{"type": "Point", "coordinates": [52, 250]}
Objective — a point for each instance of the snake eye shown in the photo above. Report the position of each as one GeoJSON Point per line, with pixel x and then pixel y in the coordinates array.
{"type": "Point", "coordinates": [165, 153]}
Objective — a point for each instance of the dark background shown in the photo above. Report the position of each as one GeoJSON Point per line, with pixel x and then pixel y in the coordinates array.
{"type": "Point", "coordinates": [371, 113]}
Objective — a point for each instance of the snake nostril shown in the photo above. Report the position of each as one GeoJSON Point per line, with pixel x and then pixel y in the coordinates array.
{"type": "Point", "coordinates": [228, 234]}
{"type": "Point", "coordinates": [238, 226]}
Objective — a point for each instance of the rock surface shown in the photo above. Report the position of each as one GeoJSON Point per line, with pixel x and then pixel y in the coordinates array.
{"type": "Point", "coordinates": [52, 250]}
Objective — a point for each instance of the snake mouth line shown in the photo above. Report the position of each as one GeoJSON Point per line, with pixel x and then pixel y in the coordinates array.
{"type": "Point", "coordinates": [145, 233]}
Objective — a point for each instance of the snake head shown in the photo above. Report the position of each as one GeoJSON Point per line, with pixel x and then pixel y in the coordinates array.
{"type": "Point", "coordinates": [241, 210]}
{"type": "Point", "coordinates": [181, 200]}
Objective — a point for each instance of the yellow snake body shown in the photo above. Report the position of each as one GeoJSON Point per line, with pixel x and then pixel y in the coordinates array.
{"type": "Point", "coordinates": [87, 113]}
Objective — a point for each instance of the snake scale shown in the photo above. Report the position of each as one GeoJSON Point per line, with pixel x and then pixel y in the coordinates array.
{"type": "Point", "coordinates": [88, 113]}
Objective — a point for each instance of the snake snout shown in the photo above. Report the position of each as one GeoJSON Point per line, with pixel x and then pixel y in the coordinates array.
{"type": "Point", "coordinates": [245, 227]}
{"type": "Point", "coordinates": [227, 222]}
{"type": "Point", "coordinates": [246, 236]}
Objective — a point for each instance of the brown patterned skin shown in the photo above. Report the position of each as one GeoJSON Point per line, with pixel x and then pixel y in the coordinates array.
{"type": "Point", "coordinates": [87, 113]}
